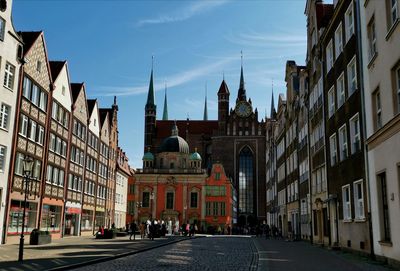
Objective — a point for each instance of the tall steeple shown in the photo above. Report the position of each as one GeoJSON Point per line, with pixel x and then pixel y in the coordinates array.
{"type": "Point", "coordinates": [150, 94]}
{"type": "Point", "coordinates": [150, 115]}
{"type": "Point", "coordinates": [205, 115]}
{"type": "Point", "coordinates": [242, 91]}
{"type": "Point", "coordinates": [165, 113]}
{"type": "Point", "coordinates": [273, 111]}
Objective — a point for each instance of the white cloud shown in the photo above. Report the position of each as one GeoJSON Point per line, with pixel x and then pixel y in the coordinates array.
{"type": "Point", "coordinates": [184, 13]}
{"type": "Point", "coordinates": [256, 39]}
{"type": "Point", "coordinates": [173, 80]}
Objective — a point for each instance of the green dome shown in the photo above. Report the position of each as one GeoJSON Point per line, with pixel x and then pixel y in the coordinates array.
{"type": "Point", "coordinates": [195, 156]}
{"type": "Point", "coordinates": [148, 156]}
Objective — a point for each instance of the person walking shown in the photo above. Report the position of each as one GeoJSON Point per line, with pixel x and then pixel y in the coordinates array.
{"type": "Point", "coordinates": [133, 229]}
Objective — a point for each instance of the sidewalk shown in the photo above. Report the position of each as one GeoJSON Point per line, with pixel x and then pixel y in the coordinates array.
{"type": "Point", "coordinates": [68, 251]}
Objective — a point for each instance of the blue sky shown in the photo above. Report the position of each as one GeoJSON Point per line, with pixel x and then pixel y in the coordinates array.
{"type": "Point", "coordinates": [109, 45]}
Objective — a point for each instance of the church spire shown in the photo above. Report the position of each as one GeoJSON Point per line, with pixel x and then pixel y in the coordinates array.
{"type": "Point", "coordinates": [205, 115]}
{"type": "Point", "coordinates": [273, 111]}
{"type": "Point", "coordinates": [242, 90]}
{"type": "Point", "coordinates": [150, 95]}
{"type": "Point", "coordinates": [165, 113]}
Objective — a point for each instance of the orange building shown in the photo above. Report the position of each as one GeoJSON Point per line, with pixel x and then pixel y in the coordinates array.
{"type": "Point", "coordinates": [220, 199]}
{"type": "Point", "coordinates": [172, 186]}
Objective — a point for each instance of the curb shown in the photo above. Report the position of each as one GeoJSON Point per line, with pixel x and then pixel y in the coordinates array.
{"type": "Point", "coordinates": [113, 257]}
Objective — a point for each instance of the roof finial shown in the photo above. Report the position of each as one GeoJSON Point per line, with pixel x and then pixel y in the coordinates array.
{"type": "Point", "coordinates": [150, 95]}
{"type": "Point", "coordinates": [152, 61]}
{"type": "Point", "coordinates": [241, 57]}
{"type": "Point", "coordinates": [175, 130]}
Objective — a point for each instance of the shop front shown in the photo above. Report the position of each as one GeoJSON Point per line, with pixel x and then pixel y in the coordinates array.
{"type": "Point", "coordinates": [87, 221]}
{"type": "Point", "coordinates": [72, 218]}
{"type": "Point", "coordinates": [15, 217]}
{"type": "Point", "coordinates": [51, 219]}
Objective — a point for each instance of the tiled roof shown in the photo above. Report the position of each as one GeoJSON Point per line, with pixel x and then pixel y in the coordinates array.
{"type": "Point", "coordinates": [76, 89]}
{"type": "Point", "coordinates": [103, 115]}
{"type": "Point", "coordinates": [194, 127]}
{"type": "Point", "coordinates": [55, 68]}
{"type": "Point", "coordinates": [29, 39]}
{"type": "Point", "coordinates": [324, 14]}
{"type": "Point", "coordinates": [91, 103]}
{"type": "Point", "coordinates": [223, 88]}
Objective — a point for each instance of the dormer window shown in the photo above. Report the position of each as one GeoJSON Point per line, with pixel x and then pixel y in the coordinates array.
{"type": "Point", "coordinates": [94, 123]}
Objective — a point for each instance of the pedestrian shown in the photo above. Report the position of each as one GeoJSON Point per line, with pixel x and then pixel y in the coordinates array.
{"type": "Point", "coordinates": [267, 231]}
{"type": "Point", "coordinates": [187, 230]}
{"type": "Point", "coordinates": [133, 229]}
{"type": "Point", "coordinates": [142, 228]}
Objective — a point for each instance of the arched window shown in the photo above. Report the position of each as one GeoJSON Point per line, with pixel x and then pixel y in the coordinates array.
{"type": "Point", "coordinates": [246, 181]}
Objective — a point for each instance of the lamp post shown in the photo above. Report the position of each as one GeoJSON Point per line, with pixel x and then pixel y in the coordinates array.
{"type": "Point", "coordinates": [27, 170]}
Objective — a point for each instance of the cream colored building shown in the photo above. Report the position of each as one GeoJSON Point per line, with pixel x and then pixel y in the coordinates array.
{"type": "Point", "coordinates": [10, 45]}
{"type": "Point", "coordinates": [121, 190]}
{"type": "Point", "coordinates": [380, 26]}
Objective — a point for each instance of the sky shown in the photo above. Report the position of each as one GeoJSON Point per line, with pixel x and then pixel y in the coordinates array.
{"type": "Point", "coordinates": [109, 45]}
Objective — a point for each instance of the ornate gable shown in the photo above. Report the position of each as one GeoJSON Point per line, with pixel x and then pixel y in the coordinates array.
{"type": "Point", "coordinates": [80, 107]}
{"type": "Point", "coordinates": [37, 65]}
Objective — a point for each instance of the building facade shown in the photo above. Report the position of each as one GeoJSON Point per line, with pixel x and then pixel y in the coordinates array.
{"type": "Point", "coordinates": [121, 190]}
{"type": "Point", "coordinates": [236, 140]}
{"type": "Point", "coordinates": [380, 61]}
{"type": "Point", "coordinates": [10, 46]}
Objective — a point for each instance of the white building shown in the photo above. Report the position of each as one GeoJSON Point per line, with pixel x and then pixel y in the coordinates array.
{"type": "Point", "coordinates": [380, 30]}
{"type": "Point", "coordinates": [121, 190]}
{"type": "Point", "coordinates": [10, 49]}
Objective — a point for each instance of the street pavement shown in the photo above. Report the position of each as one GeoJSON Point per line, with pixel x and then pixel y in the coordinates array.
{"type": "Point", "coordinates": [239, 253]}
{"type": "Point", "coordinates": [64, 253]}
{"type": "Point", "coordinates": [207, 253]}
{"type": "Point", "coordinates": [276, 255]}
{"type": "Point", "coordinates": [182, 253]}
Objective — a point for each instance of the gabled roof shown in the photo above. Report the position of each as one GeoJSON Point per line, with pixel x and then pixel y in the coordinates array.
{"type": "Point", "coordinates": [103, 115]}
{"type": "Point", "coordinates": [91, 103]}
{"type": "Point", "coordinates": [324, 14]}
{"type": "Point", "coordinates": [55, 68]}
{"type": "Point", "coordinates": [29, 39]}
{"type": "Point", "coordinates": [76, 89]}
{"type": "Point", "coordinates": [223, 89]}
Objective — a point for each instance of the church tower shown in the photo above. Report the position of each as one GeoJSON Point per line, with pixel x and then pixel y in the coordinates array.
{"type": "Point", "coordinates": [223, 107]}
{"type": "Point", "coordinates": [150, 117]}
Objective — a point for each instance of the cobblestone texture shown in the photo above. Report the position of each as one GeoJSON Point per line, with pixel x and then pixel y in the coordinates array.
{"type": "Point", "coordinates": [212, 253]}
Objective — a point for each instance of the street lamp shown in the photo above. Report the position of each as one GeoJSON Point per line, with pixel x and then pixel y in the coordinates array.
{"type": "Point", "coordinates": [27, 171]}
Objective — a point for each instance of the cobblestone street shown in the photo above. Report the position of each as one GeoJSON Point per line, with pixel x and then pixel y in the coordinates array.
{"type": "Point", "coordinates": [212, 253]}
{"type": "Point", "coordinates": [239, 253]}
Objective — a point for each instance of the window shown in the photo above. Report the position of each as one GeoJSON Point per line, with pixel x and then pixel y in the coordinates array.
{"type": "Point", "coordinates": [346, 202]}
{"type": "Point", "coordinates": [39, 66]}
{"type": "Point", "coordinates": [4, 113]}
{"type": "Point", "coordinates": [170, 200]}
{"type": "Point", "coordinates": [23, 127]}
{"type": "Point", "coordinates": [355, 134]}
{"type": "Point", "coordinates": [393, 11]}
{"type": "Point", "coordinates": [193, 199]}
{"type": "Point", "coordinates": [343, 142]}
{"type": "Point", "coordinates": [32, 134]}
{"type": "Point", "coordinates": [333, 149]}
{"type": "Point", "coordinates": [358, 200]}
{"type": "Point", "coordinates": [19, 158]}
{"type": "Point", "coordinates": [329, 56]}
{"type": "Point", "coordinates": [331, 101]}
{"type": "Point", "coordinates": [349, 22]}
{"type": "Point", "coordinates": [398, 89]}
{"type": "Point", "coordinates": [9, 76]}
{"type": "Point", "coordinates": [341, 96]}
{"type": "Point", "coordinates": [378, 109]}
{"type": "Point", "coordinates": [27, 88]}
{"type": "Point", "coordinates": [338, 40]}
{"type": "Point", "coordinates": [146, 199]}
{"type": "Point", "coordinates": [352, 76]}
{"type": "Point", "coordinates": [372, 38]}
{"type": "Point", "coordinates": [384, 207]}
{"type": "Point", "coordinates": [246, 186]}
{"type": "Point", "coordinates": [2, 28]}
{"type": "Point", "coordinates": [3, 152]}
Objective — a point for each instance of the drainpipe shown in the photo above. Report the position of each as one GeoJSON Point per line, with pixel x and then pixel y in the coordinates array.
{"type": "Point", "coordinates": [363, 127]}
